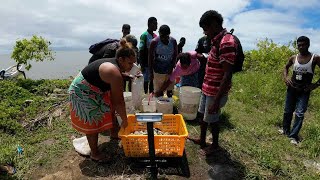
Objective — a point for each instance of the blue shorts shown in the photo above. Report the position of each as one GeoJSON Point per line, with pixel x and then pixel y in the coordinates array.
{"type": "Point", "coordinates": [146, 74]}
{"type": "Point", "coordinates": [205, 103]}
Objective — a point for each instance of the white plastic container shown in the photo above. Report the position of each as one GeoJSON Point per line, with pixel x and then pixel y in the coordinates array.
{"type": "Point", "coordinates": [135, 70]}
{"type": "Point", "coordinates": [128, 101]}
{"type": "Point", "coordinates": [81, 145]}
{"type": "Point", "coordinates": [189, 102]}
{"type": "Point", "coordinates": [129, 105]}
{"type": "Point", "coordinates": [149, 104]}
{"type": "Point", "coordinates": [137, 92]}
{"type": "Point", "coordinates": [164, 105]}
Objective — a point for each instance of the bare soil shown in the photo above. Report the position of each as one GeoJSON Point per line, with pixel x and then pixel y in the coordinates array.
{"type": "Point", "coordinates": [74, 166]}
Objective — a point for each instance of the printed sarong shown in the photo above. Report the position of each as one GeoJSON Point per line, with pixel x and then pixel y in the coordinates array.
{"type": "Point", "coordinates": [90, 108]}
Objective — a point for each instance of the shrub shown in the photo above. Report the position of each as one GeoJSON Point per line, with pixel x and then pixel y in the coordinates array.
{"type": "Point", "coordinates": [269, 56]}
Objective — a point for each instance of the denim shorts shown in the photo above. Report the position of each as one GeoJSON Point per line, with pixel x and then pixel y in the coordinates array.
{"type": "Point", "coordinates": [146, 74]}
{"type": "Point", "coordinates": [205, 103]}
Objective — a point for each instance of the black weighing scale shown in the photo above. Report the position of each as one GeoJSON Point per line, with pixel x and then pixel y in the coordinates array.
{"type": "Point", "coordinates": [153, 161]}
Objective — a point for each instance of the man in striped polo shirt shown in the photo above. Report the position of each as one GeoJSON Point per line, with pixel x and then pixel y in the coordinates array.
{"type": "Point", "coordinates": [217, 79]}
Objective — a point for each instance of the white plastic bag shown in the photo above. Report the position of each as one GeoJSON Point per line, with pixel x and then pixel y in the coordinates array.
{"type": "Point", "coordinates": [81, 145]}
{"type": "Point", "coordinates": [119, 119]}
{"type": "Point", "coordinates": [137, 92]}
{"type": "Point", "coordinates": [135, 70]}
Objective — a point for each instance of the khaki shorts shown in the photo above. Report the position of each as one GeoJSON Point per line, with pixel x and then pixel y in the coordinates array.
{"type": "Point", "coordinates": [159, 80]}
{"type": "Point", "coordinates": [205, 103]}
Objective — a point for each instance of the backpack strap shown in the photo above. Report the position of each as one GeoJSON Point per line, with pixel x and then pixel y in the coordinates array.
{"type": "Point", "coordinates": [231, 31]}
{"type": "Point", "coordinates": [218, 46]}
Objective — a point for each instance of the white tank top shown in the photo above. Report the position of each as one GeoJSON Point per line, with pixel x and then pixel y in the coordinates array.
{"type": "Point", "coordinates": [302, 73]}
{"type": "Point", "coordinates": [303, 68]}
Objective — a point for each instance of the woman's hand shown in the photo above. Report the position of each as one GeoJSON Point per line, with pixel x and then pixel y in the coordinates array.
{"type": "Point", "coordinates": [139, 74]}
{"type": "Point", "coordinates": [127, 76]}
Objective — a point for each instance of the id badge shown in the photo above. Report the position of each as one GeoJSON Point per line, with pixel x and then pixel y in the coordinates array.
{"type": "Point", "coordinates": [299, 77]}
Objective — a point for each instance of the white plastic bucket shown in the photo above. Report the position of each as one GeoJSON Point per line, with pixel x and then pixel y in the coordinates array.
{"type": "Point", "coordinates": [164, 105]}
{"type": "Point", "coordinates": [189, 102]}
{"type": "Point", "coordinates": [149, 104]}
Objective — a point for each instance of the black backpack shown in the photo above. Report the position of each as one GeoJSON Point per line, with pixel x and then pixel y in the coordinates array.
{"type": "Point", "coordinates": [93, 49]}
{"type": "Point", "coordinates": [238, 64]}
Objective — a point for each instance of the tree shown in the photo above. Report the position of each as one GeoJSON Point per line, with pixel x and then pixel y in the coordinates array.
{"type": "Point", "coordinates": [37, 48]}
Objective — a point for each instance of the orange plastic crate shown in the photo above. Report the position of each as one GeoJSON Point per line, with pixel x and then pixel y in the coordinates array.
{"type": "Point", "coordinates": [165, 145]}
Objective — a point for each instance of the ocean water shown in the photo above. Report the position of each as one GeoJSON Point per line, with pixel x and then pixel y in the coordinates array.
{"type": "Point", "coordinates": [66, 64]}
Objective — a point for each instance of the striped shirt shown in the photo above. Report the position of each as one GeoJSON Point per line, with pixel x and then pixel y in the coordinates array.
{"type": "Point", "coordinates": [214, 70]}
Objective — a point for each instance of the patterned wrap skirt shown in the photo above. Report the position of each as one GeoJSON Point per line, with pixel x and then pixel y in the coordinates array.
{"type": "Point", "coordinates": [91, 109]}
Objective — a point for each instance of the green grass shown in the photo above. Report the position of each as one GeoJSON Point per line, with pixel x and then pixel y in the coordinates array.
{"type": "Point", "coordinates": [15, 112]}
{"type": "Point", "coordinates": [255, 108]}
{"type": "Point", "coordinates": [36, 152]}
{"type": "Point", "coordinates": [251, 120]}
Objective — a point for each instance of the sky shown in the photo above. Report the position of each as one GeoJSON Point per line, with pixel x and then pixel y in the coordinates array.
{"type": "Point", "coordinates": [76, 24]}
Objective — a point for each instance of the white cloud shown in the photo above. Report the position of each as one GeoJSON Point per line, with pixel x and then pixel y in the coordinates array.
{"type": "Point", "coordinates": [281, 27]}
{"type": "Point", "coordinates": [76, 24]}
{"type": "Point", "coordinates": [265, 23]}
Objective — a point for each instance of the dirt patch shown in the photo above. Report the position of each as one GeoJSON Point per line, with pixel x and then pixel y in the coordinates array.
{"type": "Point", "coordinates": [74, 166]}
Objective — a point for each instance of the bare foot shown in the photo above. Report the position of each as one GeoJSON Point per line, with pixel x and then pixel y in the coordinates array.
{"type": "Point", "coordinates": [101, 158]}
{"type": "Point", "coordinates": [208, 151]}
{"type": "Point", "coordinates": [198, 142]}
